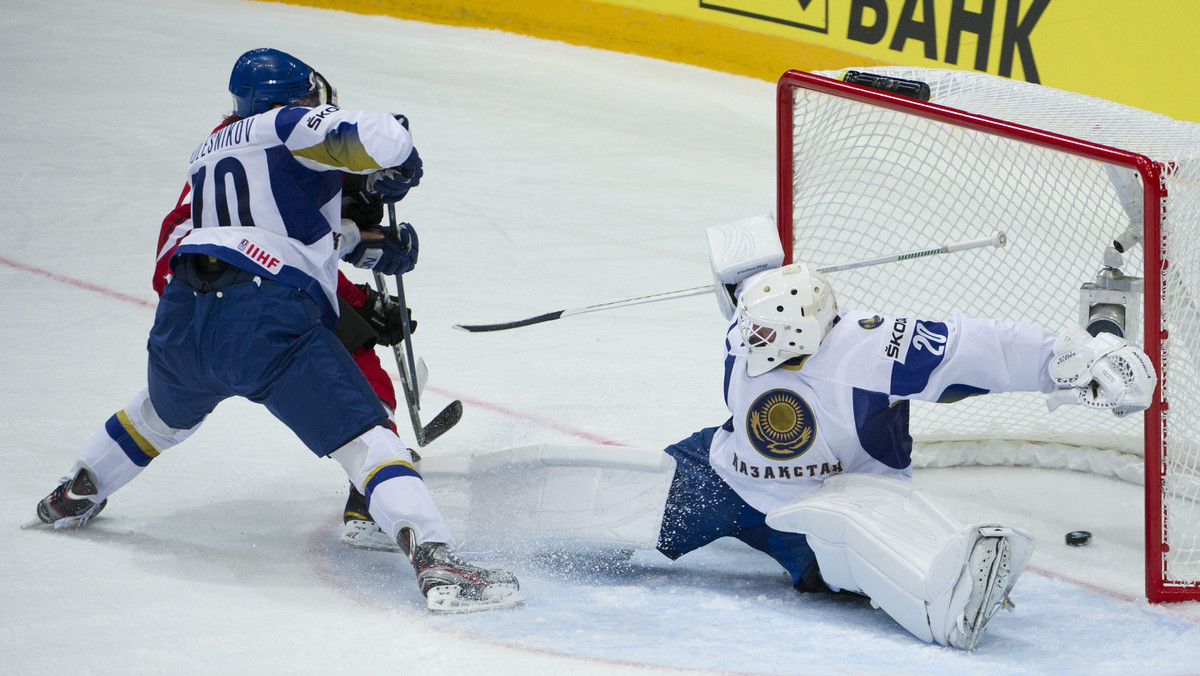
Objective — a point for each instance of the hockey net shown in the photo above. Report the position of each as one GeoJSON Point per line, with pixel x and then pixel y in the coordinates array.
{"type": "Point", "coordinates": [863, 173]}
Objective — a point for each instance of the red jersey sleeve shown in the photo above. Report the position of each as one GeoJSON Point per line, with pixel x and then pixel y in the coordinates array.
{"type": "Point", "coordinates": [174, 227]}
{"type": "Point", "coordinates": [349, 292]}
{"type": "Point", "coordinates": [177, 224]}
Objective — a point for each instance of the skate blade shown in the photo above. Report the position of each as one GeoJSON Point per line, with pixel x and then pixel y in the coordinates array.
{"type": "Point", "coordinates": [33, 523]}
{"type": "Point", "coordinates": [368, 545]}
{"type": "Point", "coordinates": [359, 538]}
{"type": "Point", "coordinates": [445, 599]}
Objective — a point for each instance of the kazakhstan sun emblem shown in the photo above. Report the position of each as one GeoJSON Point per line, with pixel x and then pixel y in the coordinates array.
{"type": "Point", "coordinates": [780, 425]}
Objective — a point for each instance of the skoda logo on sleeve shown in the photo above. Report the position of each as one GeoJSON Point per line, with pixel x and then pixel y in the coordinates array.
{"type": "Point", "coordinates": [780, 425]}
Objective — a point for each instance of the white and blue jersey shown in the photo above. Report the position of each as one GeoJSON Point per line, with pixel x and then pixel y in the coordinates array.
{"type": "Point", "coordinates": [845, 408]}
{"type": "Point", "coordinates": [266, 192]}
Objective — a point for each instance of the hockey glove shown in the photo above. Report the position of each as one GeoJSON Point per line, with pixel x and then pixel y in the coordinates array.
{"type": "Point", "coordinates": [1075, 352]}
{"type": "Point", "coordinates": [394, 183]}
{"type": "Point", "coordinates": [386, 316]}
{"type": "Point", "coordinates": [359, 205]}
{"type": "Point", "coordinates": [384, 251]}
{"type": "Point", "coordinates": [1102, 372]}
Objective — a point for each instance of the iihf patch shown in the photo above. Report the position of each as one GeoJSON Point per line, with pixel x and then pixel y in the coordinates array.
{"type": "Point", "coordinates": [261, 257]}
{"type": "Point", "coordinates": [780, 425]}
{"type": "Point", "coordinates": [871, 322]}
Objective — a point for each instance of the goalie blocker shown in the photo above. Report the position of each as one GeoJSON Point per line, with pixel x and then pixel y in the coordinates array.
{"type": "Point", "coordinates": [739, 250]}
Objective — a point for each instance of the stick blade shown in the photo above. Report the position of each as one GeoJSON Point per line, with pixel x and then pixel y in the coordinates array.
{"type": "Point", "coordinates": [478, 328]}
{"type": "Point", "coordinates": [442, 422]}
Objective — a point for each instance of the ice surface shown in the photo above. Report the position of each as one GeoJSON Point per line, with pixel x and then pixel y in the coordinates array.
{"type": "Point", "coordinates": [556, 176]}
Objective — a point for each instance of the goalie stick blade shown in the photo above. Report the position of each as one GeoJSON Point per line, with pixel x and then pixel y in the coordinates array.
{"type": "Point", "coordinates": [479, 328]}
{"type": "Point", "coordinates": [441, 422]}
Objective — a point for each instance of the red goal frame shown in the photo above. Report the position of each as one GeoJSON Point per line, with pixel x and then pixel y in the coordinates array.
{"type": "Point", "coordinates": [1158, 588]}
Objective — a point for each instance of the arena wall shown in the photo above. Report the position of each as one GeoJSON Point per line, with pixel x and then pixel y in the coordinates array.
{"type": "Point", "coordinates": [1119, 50]}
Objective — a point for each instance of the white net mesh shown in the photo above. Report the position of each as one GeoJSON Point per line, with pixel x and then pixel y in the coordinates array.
{"type": "Point", "coordinates": [868, 181]}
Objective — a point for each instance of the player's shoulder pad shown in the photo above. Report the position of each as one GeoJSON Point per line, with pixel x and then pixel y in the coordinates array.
{"type": "Point", "coordinates": [290, 118]}
{"type": "Point", "coordinates": [856, 335]}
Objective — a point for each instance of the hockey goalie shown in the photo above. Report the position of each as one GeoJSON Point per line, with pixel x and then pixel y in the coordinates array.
{"type": "Point", "coordinates": [813, 466]}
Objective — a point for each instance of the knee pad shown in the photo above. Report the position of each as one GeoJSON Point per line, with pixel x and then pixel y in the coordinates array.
{"type": "Point", "coordinates": [130, 439]}
{"type": "Point", "coordinates": [141, 417]}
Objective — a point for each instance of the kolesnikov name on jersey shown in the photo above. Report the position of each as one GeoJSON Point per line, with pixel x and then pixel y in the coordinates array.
{"type": "Point", "coordinates": [238, 132]}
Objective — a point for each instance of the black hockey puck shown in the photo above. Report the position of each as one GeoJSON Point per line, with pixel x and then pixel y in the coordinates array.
{"type": "Point", "coordinates": [1078, 538]}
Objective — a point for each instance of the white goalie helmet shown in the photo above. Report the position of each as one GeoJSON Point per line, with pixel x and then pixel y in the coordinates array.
{"type": "Point", "coordinates": [783, 314]}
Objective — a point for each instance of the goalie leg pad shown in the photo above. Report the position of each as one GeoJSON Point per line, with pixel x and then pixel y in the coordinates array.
{"type": "Point", "coordinates": [549, 497]}
{"type": "Point", "coordinates": [881, 537]}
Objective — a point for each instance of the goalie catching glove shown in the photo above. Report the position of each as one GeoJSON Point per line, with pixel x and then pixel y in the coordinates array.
{"type": "Point", "coordinates": [385, 315]}
{"type": "Point", "coordinates": [1101, 372]}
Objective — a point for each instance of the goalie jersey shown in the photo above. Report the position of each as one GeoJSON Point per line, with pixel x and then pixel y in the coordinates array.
{"type": "Point", "coordinates": [845, 408]}
{"type": "Point", "coordinates": [266, 192]}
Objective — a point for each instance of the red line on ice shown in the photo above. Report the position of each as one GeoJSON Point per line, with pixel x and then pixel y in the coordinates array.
{"type": "Point", "coordinates": [587, 436]}
{"type": "Point", "coordinates": [88, 286]}
{"type": "Point", "coordinates": [79, 283]}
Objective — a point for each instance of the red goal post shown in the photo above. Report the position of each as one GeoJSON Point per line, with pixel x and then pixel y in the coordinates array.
{"type": "Point", "coordinates": [863, 172]}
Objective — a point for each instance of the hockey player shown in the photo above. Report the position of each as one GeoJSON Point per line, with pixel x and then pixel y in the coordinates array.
{"type": "Point", "coordinates": [372, 320]}
{"type": "Point", "coordinates": [251, 305]}
{"type": "Point", "coordinates": [364, 319]}
{"type": "Point", "coordinates": [813, 467]}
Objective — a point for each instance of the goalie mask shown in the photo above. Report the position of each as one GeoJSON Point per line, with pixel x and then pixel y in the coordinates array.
{"type": "Point", "coordinates": [784, 314]}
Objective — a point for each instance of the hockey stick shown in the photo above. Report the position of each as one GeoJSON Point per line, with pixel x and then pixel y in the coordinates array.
{"type": "Point", "coordinates": [449, 416]}
{"type": "Point", "coordinates": [997, 240]}
{"type": "Point", "coordinates": [557, 314]}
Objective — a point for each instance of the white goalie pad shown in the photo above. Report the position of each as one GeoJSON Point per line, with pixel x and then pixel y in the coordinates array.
{"type": "Point", "coordinates": [881, 537]}
{"type": "Point", "coordinates": [547, 498]}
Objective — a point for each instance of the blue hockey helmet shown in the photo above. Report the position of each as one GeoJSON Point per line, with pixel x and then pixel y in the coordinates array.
{"type": "Point", "coordinates": [264, 77]}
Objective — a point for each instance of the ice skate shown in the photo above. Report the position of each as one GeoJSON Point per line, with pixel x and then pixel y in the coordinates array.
{"type": "Point", "coordinates": [365, 534]}
{"type": "Point", "coordinates": [359, 530]}
{"type": "Point", "coordinates": [990, 567]}
{"type": "Point", "coordinates": [453, 586]}
{"type": "Point", "coordinates": [70, 505]}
